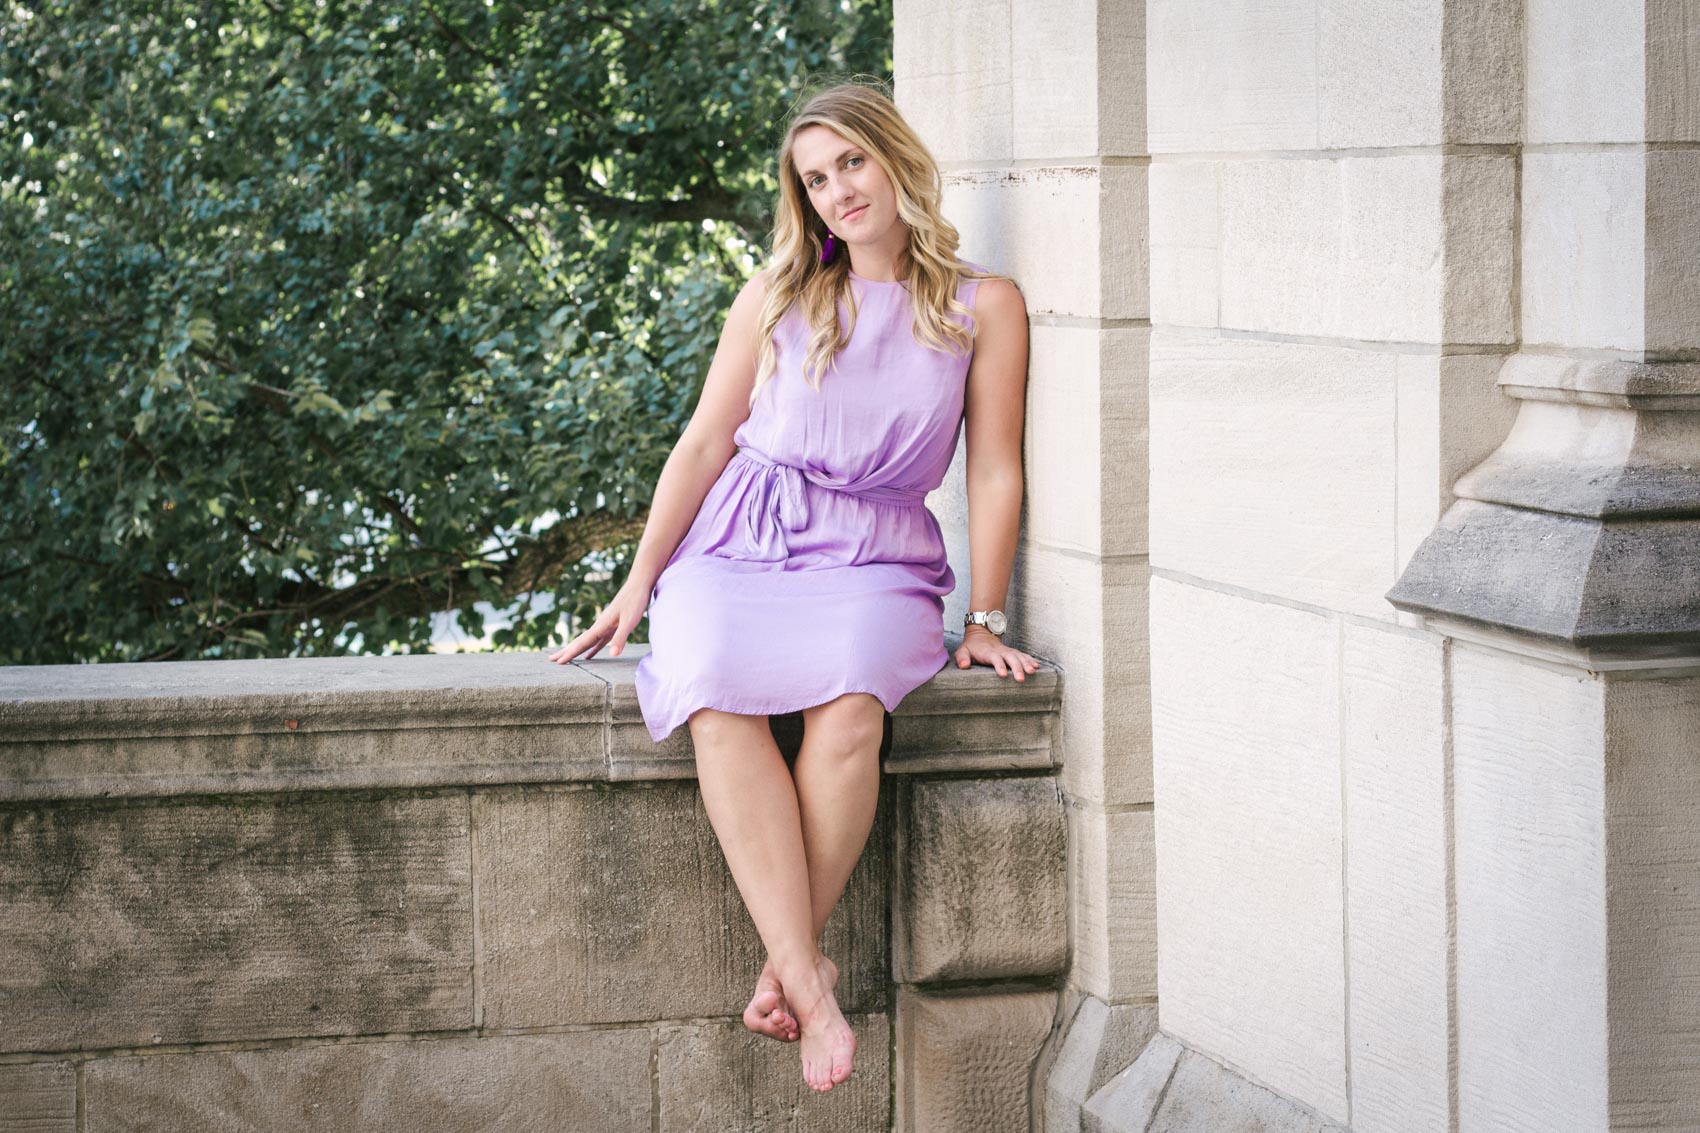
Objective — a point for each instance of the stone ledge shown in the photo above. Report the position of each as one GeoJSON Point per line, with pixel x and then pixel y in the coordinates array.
{"type": "Point", "coordinates": [198, 727]}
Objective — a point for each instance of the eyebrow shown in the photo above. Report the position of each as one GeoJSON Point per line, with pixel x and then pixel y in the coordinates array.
{"type": "Point", "coordinates": [807, 173]}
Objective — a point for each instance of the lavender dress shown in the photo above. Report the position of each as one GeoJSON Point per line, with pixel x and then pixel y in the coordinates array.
{"type": "Point", "coordinates": [813, 567]}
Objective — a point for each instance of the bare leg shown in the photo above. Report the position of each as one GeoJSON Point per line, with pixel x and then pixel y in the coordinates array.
{"type": "Point", "coordinates": [752, 805]}
{"type": "Point", "coordinates": [837, 776]}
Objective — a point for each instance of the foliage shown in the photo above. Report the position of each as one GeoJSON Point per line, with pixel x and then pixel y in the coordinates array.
{"type": "Point", "coordinates": [321, 318]}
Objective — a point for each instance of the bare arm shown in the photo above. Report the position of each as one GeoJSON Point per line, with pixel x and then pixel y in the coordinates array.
{"type": "Point", "coordinates": [696, 461]}
{"type": "Point", "coordinates": [706, 444]}
{"type": "Point", "coordinates": [994, 406]}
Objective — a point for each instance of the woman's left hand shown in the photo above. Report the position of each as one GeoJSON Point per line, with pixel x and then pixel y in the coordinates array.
{"type": "Point", "coordinates": [982, 645]}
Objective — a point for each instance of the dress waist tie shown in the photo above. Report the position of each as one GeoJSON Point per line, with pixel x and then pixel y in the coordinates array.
{"type": "Point", "coordinates": [781, 503]}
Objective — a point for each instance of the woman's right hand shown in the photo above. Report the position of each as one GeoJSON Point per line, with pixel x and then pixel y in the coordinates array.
{"type": "Point", "coordinates": [615, 623]}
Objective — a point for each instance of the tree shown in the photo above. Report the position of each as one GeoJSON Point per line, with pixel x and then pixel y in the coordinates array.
{"type": "Point", "coordinates": [321, 318]}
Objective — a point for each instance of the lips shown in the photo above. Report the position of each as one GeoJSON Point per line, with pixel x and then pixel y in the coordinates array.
{"type": "Point", "coordinates": [854, 213]}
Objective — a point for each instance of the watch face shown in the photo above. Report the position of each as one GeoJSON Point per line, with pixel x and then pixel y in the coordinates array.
{"type": "Point", "coordinates": [996, 623]}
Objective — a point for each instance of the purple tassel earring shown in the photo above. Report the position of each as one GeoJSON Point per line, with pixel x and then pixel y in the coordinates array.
{"type": "Point", "coordinates": [829, 249]}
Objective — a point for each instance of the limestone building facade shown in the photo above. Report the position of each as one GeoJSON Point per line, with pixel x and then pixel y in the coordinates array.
{"type": "Point", "coordinates": [1363, 466]}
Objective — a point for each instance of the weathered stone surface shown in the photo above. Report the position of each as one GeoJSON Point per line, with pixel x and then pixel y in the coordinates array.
{"type": "Point", "coordinates": [585, 1080]}
{"type": "Point", "coordinates": [1395, 748]}
{"type": "Point", "coordinates": [1101, 1041]}
{"type": "Point", "coordinates": [587, 897]}
{"type": "Point", "coordinates": [974, 720]}
{"type": "Point", "coordinates": [1652, 852]}
{"type": "Point", "coordinates": [1608, 588]}
{"type": "Point", "coordinates": [1128, 1102]}
{"type": "Point", "coordinates": [38, 1097]}
{"type": "Point", "coordinates": [980, 888]}
{"type": "Point", "coordinates": [187, 727]}
{"type": "Point", "coordinates": [1250, 921]}
{"type": "Point", "coordinates": [721, 1076]}
{"type": "Point", "coordinates": [253, 918]}
{"type": "Point", "coordinates": [964, 1058]}
{"type": "Point", "coordinates": [1112, 886]}
{"type": "Point", "coordinates": [1206, 1097]}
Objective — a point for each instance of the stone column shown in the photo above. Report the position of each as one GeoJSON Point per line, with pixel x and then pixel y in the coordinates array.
{"type": "Point", "coordinates": [1333, 261]}
{"type": "Point", "coordinates": [1566, 580]}
{"type": "Point", "coordinates": [1036, 114]}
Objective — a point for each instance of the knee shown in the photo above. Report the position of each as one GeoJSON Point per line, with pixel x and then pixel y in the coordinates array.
{"type": "Point", "coordinates": [851, 727]}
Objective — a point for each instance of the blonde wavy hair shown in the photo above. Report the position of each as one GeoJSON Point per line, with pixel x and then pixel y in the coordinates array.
{"type": "Point", "coordinates": [863, 115]}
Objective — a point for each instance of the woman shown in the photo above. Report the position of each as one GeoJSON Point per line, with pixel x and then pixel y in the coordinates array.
{"type": "Point", "coordinates": [789, 564]}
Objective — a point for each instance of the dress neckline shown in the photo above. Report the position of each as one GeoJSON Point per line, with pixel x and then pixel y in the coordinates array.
{"type": "Point", "coordinates": [877, 282]}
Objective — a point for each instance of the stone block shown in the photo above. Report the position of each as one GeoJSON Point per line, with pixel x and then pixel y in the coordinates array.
{"type": "Point", "coordinates": [1087, 439]}
{"type": "Point", "coordinates": [1672, 68]}
{"type": "Point", "coordinates": [589, 1080]}
{"type": "Point", "coordinates": [964, 1058]}
{"type": "Point", "coordinates": [167, 728]}
{"type": "Point", "coordinates": [1483, 71]}
{"type": "Point", "coordinates": [1112, 878]}
{"type": "Point", "coordinates": [1090, 616]}
{"type": "Point", "coordinates": [1673, 251]}
{"type": "Point", "coordinates": [1587, 70]}
{"type": "Point", "coordinates": [1357, 247]}
{"type": "Point", "coordinates": [962, 721]}
{"type": "Point", "coordinates": [1129, 1101]}
{"type": "Point", "coordinates": [38, 1097]}
{"type": "Point", "coordinates": [961, 122]}
{"type": "Point", "coordinates": [1382, 78]}
{"type": "Point", "coordinates": [1298, 519]}
{"type": "Point", "coordinates": [980, 890]}
{"type": "Point", "coordinates": [1398, 945]}
{"type": "Point", "coordinates": [1084, 250]}
{"type": "Point", "coordinates": [1529, 779]}
{"type": "Point", "coordinates": [1102, 1040]}
{"type": "Point", "coordinates": [256, 918]}
{"type": "Point", "coordinates": [1585, 248]}
{"type": "Point", "coordinates": [1186, 284]}
{"type": "Point", "coordinates": [585, 895]}
{"type": "Point", "coordinates": [1652, 795]}
{"type": "Point", "coordinates": [1479, 249]}
{"type": "Point", "coordinates": [721, 1076]}
{"type": "Point", "coordinates": [1420, 73]}
{"type": "Point", "coordinates": [1246, 731]}
{"type": "Point", "coordinates": [1238, 75]}
{"type": "Point", "coordinates": [1079, 80]}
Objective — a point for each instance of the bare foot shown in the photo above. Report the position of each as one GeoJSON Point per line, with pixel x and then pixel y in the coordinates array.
{"type": "Point", "coordinates": [768, 1013]}
{"type": "Point", "coordinates": [828, 1045]}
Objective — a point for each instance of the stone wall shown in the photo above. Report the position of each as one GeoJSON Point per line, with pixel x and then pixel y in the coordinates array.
{"type": "Point", "coordinates": [467, 892]}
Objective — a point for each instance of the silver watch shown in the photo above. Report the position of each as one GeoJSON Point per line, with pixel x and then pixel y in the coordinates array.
{"type": "Point", "coordinates": [991, 619]}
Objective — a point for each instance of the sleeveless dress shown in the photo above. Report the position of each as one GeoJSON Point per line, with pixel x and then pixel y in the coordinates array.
{"type": "Point", "coordinates": [814, 567]}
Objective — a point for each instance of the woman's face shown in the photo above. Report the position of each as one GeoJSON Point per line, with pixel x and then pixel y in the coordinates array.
{"type": "Point", "coordinates": [847, 188]}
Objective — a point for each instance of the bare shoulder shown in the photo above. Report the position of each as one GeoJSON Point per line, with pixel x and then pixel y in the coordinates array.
{"type": "Point", "coordinates": [999, 301]}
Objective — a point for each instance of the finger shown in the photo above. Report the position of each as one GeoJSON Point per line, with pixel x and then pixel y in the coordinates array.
{"type": "Point", "coordinates": [997, 663]}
